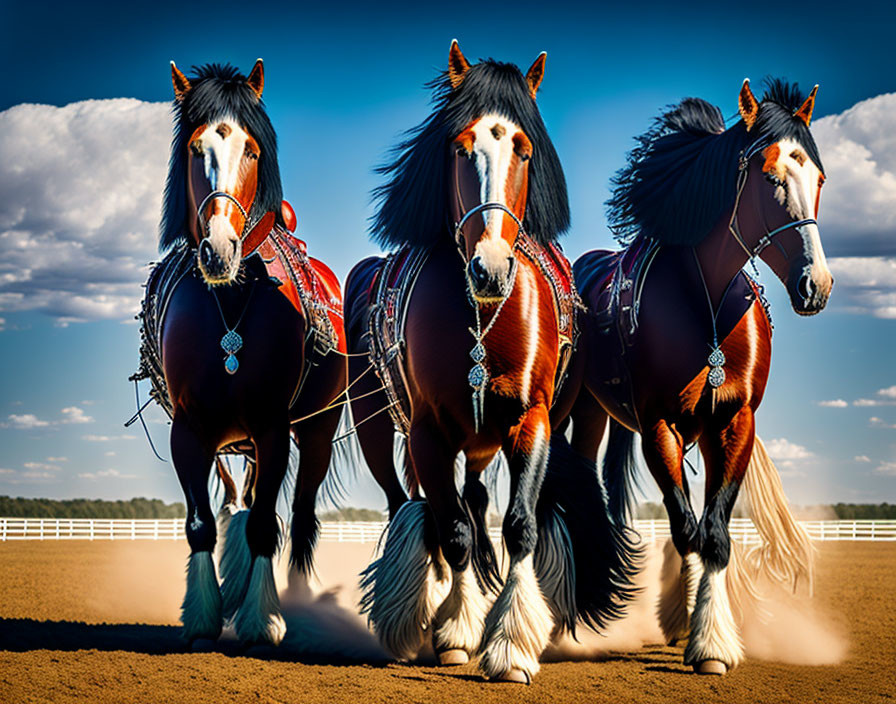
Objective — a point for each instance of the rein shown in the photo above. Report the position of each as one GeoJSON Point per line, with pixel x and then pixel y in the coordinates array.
{"type": "Point", "coordinates": [743, 173]}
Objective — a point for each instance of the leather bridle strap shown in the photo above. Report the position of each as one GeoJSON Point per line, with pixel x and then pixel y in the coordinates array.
{"type": "Point", "coordinates": [768, 238]}
{"type": "Point", "coordinates": [249, 227]}
{"type": "Point", "coordinates": [482, 207]}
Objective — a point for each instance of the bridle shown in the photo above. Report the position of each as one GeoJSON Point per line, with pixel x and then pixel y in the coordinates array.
{"type": "Point", "coordinates": [743, 172]}
{"type": "Point", "coordinates": [254, 231]}
{"type": "Point", "coordinates": [459, 239]}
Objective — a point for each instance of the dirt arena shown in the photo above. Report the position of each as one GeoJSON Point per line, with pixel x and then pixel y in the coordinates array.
{"type": "Point", "coordinates": [95, 622]}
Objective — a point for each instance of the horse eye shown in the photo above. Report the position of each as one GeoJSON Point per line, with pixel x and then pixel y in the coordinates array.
{"type": "Point", "coordinates": [798, 157]}
{"type": "Point", "coordinates": [250, 154]}
{"type": "Point", "coordinates": [196, 148]}
{"type": "Point", "coordinates": [461, 150]}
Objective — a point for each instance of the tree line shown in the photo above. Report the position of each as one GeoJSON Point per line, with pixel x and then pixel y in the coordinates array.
{"type": "Point", "coordinates": [156, 508]}
{"type": "Point", "coordinates": [89, 508]}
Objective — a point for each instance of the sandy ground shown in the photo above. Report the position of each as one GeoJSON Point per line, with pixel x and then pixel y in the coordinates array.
{"type": "Point", "coordinates": [95, 622]}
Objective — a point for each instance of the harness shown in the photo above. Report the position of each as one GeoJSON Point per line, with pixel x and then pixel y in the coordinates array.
{"type": "Point", "coordinates": [391, 292]}
{"type": "Point", "coordinates": [281, 261]}
{"type": "Point", "coordinates": [743, 172]}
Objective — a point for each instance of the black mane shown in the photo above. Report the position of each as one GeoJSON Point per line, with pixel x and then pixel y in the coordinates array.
{"type": "Point", "coordinates": [681, 177]}
{"type": "Point", "coordinates": [217, 91]}
{"type": "Point", "coordinates": [413, 204]}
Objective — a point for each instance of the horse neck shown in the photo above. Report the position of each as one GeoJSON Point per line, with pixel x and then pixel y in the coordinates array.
{"type": "Point", "coordinates": [721, 257]}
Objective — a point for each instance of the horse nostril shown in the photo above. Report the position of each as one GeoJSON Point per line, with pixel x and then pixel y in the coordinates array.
{"type": "Point", "coordinates": [806, 288]}
{"type": "Point", "coordinates": [477, 272]}
{"type": "Point", "coordinates": [205, 252]}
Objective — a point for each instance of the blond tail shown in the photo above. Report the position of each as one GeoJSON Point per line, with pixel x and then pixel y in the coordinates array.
{"type": "Point", "coordinates": [786, 553]}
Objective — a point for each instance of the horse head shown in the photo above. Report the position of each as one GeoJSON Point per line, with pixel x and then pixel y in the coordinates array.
{"type": "Point", "coordinates": [779, 188]}
{"type": "Point", "coordinates": [488, 187]}
{"type": "Point", "coordinates": [222, 170]}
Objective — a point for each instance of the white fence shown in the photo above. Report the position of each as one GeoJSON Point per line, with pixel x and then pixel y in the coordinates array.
{"type": "Point", "coordinates": [742, 530]}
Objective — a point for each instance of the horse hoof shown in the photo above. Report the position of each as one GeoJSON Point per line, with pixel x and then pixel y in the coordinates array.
{"type": "Point", "coordinates": [710, 667]}
{"type": "Point", "coordinates": [514, 675]}
{"type": "Point", "coordinates": [453, 656]}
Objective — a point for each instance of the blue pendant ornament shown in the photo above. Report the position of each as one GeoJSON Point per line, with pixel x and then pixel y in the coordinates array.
{"type": "Point", "coordinates": [231, 343]}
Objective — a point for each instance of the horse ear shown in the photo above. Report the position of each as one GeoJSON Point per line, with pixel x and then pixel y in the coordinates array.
{"type": "Point", "coordinates": [457, 65]}
{"type": "Point", "coordinates": [805, 111]}
{"type": "Point", "coordinates": [256, 78]}
{"type": "Point", "coordinates": [748, 105]}
{"type": "Point", "coordinates": [181, 84]}
{"type": "Point", "coordinates": [536, 73]}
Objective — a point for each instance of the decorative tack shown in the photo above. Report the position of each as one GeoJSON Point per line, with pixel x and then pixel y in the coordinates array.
{"type": "Point", "coordinates": [717, 358]}
{"type": "Point", "coordinates": [477, 377]}
{"type": "Point", "coordinates": [716, 377]}
{"type": "Point", "coordinates": [477, 354]}
{"type": "Point", "coordinates": [231, 342]}
{"type": "Point", "coordinates": [231, 364]}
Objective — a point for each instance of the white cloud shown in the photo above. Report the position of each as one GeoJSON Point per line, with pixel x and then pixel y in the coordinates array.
{"type": "Point", "coordinates": [858, 148]}
{"type": "Point", "coordinates": [785, 451]}
{"type": "Point", "coordinates": [857, 214]}
{"type": "Point", "coordinates": [79, 207]}
{"type": "Point", "coordinates": [57, 459]}
{"type": "Point", "coordinates": [836, 403]}
{"type": "Point", "coordinates": [73, 414]}
{"type": "Point", "coordinates": [888, 468]}
{"type": "Point", "coordinates": [883, 397]}
{"type": "Point", "coordinates": [25, 421]}
{"type": "Point", "coordinates": [862, 458]}
{"type": "Point", "coordinates": [865, 285]}
{"type": "Point", "coordinates": [876, 422]}
{"type": "Point", "coordinates": [106, 473]}
{"type": "Point", "coordinates": [107, 438]}
{"type": "Point", "coordinates": [41, 466]}
{"type": "Point", "coordinates": [4, 471]}
{"type": "Point", "coordinates": [29, 421]}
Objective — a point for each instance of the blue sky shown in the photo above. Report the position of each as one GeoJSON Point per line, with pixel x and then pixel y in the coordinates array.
{"type": "Point", "coordinates": [80, 182]}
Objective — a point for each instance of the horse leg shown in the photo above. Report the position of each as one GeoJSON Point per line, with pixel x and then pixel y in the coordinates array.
{"type": "Point", "coordinates": [258, 618]}
{"type": "Point", "coordinates": [315, 439]}
{"type": "Point", "coordinates": [405, 586]}
{"type": "Point", "coordinates": [201, 609]}
{"type": "Point", "coordinates": [375, 432]}
{"type": "Point", "coordinates": [518, 626]}
{"type": "Point", "coordinates": [589, 421]}
{"type": "Point", "coordinates": [663, 449]}
{"type": "Point", "coordinates": [715, 645]}
{"type": "Point", "coordinates": [459, 621]}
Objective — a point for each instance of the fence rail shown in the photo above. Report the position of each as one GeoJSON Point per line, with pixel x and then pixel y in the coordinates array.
{"type": "Point", "coordinates": [742, 530]}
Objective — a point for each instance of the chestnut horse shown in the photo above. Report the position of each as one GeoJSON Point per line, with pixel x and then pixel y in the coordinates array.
{"type": "Point", "coordinates": [232, 353]}
{"type": "Point", "coordinates": [477, 195]}
{"type": "Point", "coordinates": [677, 341]}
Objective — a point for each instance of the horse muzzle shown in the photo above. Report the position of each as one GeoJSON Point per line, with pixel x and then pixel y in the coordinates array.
{"type": "Point", "coordinates": [809, 291]}
{"type": "Point", "coordinates": [217, 267]}
{"type": "Point", "coordinates": [487, 285]}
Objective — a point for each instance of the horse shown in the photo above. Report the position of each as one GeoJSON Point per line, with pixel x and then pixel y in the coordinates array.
{"type": "Point", "coordinates": [241, 339]}
{"type": "Point", "coordinates": [676, 340]}
{"type": "Point", "coordinates": [466, 325]}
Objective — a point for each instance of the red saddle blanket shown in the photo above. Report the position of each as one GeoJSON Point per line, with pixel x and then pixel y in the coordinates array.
{"type": "Point", "coordinates": [309, 284]}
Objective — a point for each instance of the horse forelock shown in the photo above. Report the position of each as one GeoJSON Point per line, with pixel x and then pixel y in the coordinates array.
{"type": "Point", "coordinates": [681, 176]}
{"type": "Point", "coordinates": [413, 203]}
{"type": "Point", "coordinates": [218, 92]}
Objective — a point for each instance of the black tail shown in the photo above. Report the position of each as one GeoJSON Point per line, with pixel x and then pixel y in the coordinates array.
{"type": "Point", "coordinates": [585, 562]}
{"type": "Point", "coordinates": [618, 472]}
{"type": "Point", "coordinates": [485, 562]}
